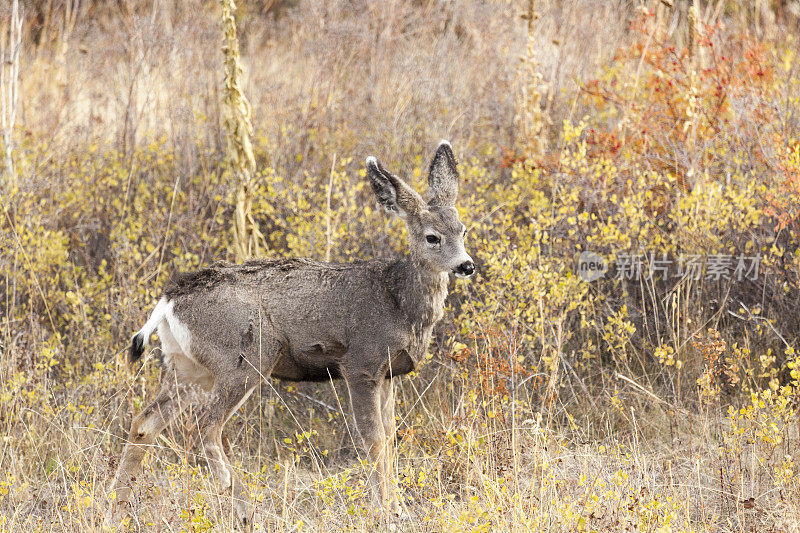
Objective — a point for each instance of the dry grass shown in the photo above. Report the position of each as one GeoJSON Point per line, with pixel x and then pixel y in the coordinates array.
{"type": "Point", "coordinates": [546, 403]}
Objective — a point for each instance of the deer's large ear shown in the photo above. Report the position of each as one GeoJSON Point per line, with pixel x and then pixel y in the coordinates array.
{"type": "Point", "coordinates": [393, 194]}
{"type": "Point", "coordinates": [443, 177]}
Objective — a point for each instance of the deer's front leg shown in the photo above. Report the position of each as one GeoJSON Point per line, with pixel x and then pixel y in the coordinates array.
{"type": "Point", "coordinates": [365, 400]}
{"type": "Point", "coordinates": [390, 428]}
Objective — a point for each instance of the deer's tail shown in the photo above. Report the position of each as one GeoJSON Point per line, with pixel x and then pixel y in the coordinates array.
{"type": "Point", "coordinates": [142, 337]}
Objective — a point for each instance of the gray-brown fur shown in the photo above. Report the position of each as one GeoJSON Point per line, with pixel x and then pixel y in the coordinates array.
{"type": "Point", "coordinates": [304, 320]}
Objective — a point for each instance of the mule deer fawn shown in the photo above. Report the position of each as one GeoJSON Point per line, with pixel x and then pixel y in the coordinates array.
{"type": "Point", "coordinates": [226, 327]}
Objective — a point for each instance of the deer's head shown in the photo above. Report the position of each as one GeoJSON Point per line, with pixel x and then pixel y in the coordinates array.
{"type": "Point", "coordinates": [435, 232]}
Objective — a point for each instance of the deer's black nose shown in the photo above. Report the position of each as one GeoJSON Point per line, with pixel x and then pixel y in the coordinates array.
{"type": "Point", "coordinates": [467, 268]}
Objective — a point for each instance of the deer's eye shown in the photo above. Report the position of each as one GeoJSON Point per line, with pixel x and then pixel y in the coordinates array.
{"type": "Point", "coordinates": [432, 239]}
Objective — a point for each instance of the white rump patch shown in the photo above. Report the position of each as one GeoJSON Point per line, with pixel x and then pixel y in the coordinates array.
{"type": "Point", "coordinates": [445, 141]}
{"type": "Point", "coordinates": [155, 319]}
{"type": "Point", "coordinates": [175, 337]}
{"type": "Point", "coordinates": [371, 161]}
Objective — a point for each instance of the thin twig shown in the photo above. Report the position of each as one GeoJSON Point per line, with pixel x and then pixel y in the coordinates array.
{"type": "Point", "coordinates": [328, 213]}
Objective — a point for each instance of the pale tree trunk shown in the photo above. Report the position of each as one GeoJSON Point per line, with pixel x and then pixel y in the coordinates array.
{"type": "Point", "coordinates": [10, 44]}
{"type": "Point", "coordinates": [247, 239]}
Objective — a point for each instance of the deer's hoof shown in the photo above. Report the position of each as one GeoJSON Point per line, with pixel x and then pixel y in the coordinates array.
{"type": "Point", "coordinates": [114, 517]}
{"type": "Point", "coordinates": [244, 514]}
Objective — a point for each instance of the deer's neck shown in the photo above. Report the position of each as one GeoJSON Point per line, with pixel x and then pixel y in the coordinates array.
{"type": "Point", "coordinates": [420, 291]}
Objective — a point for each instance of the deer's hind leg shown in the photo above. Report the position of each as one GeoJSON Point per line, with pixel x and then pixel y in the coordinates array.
{"type": "Point", "coordinates": [238, 372]}
{"type": "Point", "coordinates": [184, 382]}
{"type": "Point", "coordinates": [176, 393]}
{"type": "Point", "coordinates": [226, 397]}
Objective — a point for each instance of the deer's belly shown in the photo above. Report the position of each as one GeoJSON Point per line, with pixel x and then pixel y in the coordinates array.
{"type": "Point", "coordinates": [317, 362]}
